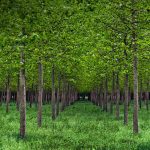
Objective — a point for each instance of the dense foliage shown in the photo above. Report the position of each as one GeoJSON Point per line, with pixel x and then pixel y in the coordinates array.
{"type": "Point", "coordinates": [56, 51]}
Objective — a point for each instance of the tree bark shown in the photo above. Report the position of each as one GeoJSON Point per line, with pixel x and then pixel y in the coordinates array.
{"type": "Point", "coordinates": [106, 95]}
{"type": "Point", "coordinates": [0, 98]}
{"type": "Point", "coordinates": [112, 94]}
{"type": "Point", "coordinates": [8, 94]}
{"type": "Point", "coordinates": [118, 97]}
{"type": "Point", "coordinates": [141, 92]}
{"type": "Point", "coordinates": [101, 96]}
{"type": "Point", "coordinates": [40, 92]}
{"type": "Point", "coordinates": [63, 96]}
{"type": "Point", "coordinates": [58, 95]}
{"type": "Point", "coordinates": [22, 96]}
{"type": "Point", "coordinates": [147, 97]}
{"type": "Point", "coordinates": [135, 64]}
{"type": "Point", "coordinates": [18, 95]}
{"type": "Point", "coordinates": [53, 100]}
{"type": "Point", "coordinates": [126, 100]}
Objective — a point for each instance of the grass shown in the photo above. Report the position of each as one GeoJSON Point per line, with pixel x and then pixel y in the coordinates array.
{"type": "Point", "coordinates": [80, 126]}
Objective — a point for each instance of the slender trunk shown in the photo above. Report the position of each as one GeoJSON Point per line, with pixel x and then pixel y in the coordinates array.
{"type": "Point", "coordinates": [112, 94]}
{"type": "Point", "coordinates": [18, 95]}
{"type": "Point", "coordinates": [135, 64]}
{"type": "Point", "coordinates": [49, 97]}
{"type": "Point", "coordinates": [105, 95]}
{"type": "Point", "coordinates": [0, 98]}
{"type": "Point", "coordinates": [36, 97]}
{"type": "Point", "coordinates": [135, 115]}
{"type": "Point", "coordinates": [118, 97]}
{"type": "Point", "coordinates": [22, 96]}
{"type": "Point", "coordinates": [141, 91]}
{"type": "Point", "coordinates": [67, 94]}
{"type": "Point", "coordinates": [32, 95]}
{"type": "Point", "coordinates": [101, 101]}
{"type": "Point", "coordinates": [147, 101]}
{"type": "Point", "coordinates": [147, 96]}
{"type": "Point", "coordinates": [63, 96]}
{"type": "Point", "coordinates": [40, 92]}
{"type": "Point", "coordinates": [28, 95]}
{"type": "Point", "coordinates": [58, 95]}
{"type": "Point", "coordinates": [126, 100]}
{"type": "Point", "coordinates": [53, 100]}
{"type": "Point", "coordinates": [46, 97]}
{"type": "Point", "coordinates": [4, 96]}
{"type": "Point", "coordinates": [129, 96]}
{"type": "Point", "coordinates": [122, 97]}
{"type": "Point", "coordinates": [8, 94]}
{"type": "Point", "coordinates": [31, 98]}
{"type": "Point", "coordinates": [97, 97]}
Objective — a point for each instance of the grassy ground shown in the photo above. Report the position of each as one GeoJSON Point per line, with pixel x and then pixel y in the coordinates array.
{"type": "Point", "coordinates": [80, 126]}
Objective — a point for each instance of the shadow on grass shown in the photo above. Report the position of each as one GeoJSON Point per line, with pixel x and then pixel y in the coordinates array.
{"type": "Point", "coordinates": [44, 142]}
{"type": "Point", "coordinates": [144, 146]}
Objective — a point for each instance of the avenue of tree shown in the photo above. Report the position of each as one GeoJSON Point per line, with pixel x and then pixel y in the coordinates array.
{"type": "Point", "coordinates": [50, 51]}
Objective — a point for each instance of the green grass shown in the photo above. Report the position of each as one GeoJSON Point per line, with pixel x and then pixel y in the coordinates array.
{"type": "Point", "coordinates": [80, 126]}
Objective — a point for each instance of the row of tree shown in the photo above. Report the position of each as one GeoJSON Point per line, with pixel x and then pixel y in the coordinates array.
{"type": "Point", "coordinates": [54, 49]}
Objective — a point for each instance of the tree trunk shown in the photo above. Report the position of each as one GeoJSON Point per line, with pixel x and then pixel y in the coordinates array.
{"type": "Point", "coordinates": [147, 96]}
{"type": "Point", "coordinates": [106, 86]}
{"type": "Point", "coordinates": [67, 95]}
{"type": "Point", "coordinates": [129, 96]}
{"type": "Point", "coordinates": [4, 96]}
{"type": "Point", "coordinates": [101, 98]}
{"type": "Point", "coordinates": [30, 98]}
{"type": "Point", "coordinates": [118, 97]}
{"type": "Point", "coordinates": [135, 64]}
{"type": "Point", "coordinates": [18, 95]}
{"type": "Point", "coordinates": [141, 91]}
{"type": "Point", "coordinates": [106, 95]}
{"type": "Point", "coordinates": [8, 94]}
{"type": "Point", "coordinates": [53, 100]}
{"type": "Point", "coordinates": [112, 94]}
{"type": "Point", "coordinates": [0, 98]}
{"type": "Point", "coordinates": [126, 100]}
{"type": "Point", "coordinates": [63, 96]}
{"type": "Point", "coordinates": [58, 96]}
{"type": "Point", "coordinates": [40, 92]}
{"type": "Point", "coordinates": [22, 96]}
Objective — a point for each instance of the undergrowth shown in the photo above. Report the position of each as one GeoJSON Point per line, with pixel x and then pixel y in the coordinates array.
{"type": "Point", "coordinates": [80, 126]}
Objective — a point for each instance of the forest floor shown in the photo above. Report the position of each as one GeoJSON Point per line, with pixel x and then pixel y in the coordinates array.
{"type": "Point", "coordinates": [80, 126]}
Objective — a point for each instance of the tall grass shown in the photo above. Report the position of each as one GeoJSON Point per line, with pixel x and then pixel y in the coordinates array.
{"type": "Point", "coordinates": [80, 126]}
